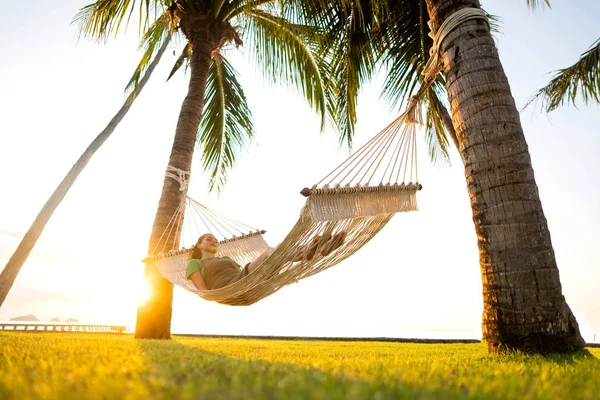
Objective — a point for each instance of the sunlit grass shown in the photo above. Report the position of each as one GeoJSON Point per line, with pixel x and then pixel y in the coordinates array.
{"type": "Point", "coordinates": [105, 366]}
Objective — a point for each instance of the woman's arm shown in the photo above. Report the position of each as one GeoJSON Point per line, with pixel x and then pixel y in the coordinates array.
{"type": "Point", "coordinates": [198, 280]}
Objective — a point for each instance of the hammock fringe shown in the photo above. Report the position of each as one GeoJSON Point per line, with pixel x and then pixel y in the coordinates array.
{"type": "Point", "coordinates": [330, 205]}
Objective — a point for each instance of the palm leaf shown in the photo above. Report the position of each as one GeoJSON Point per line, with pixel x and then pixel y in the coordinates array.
{"type": "Point", "coordinates": [233, 9]}
{"type": "Point", "coordinates": [581, 78]}
{"type": "Point", "coordinates": [154, 38]}
{"type": "Point", "coordinates": [407, 49]}
{"type": "Point", "coordinates": [284, 57]}
{"type": "Point", "coordinates": [226, 126]}
{"type": "Point", "coordinates": [354, 61]}
{"type": "Point", "coordinates": [436, 135]}
{"type": "Point", "coordinates": [216, 7]}
{"type": "Point", "coordinates": [102, 18]}
{"type": "Point", "coordinates": [184, 57]}
{"type": "Point", "coordinates": [345, 48]}
{"type": "Point", "coordinates": [319, 11]}
{"type": "Point", "coordinates": [538, 4]}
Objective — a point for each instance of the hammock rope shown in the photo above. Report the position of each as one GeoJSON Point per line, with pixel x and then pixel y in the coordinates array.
{"type": "Point", "coordinates": [342, 204]}
{"type": "Point", "coordinates": [181, 176]}
{"type": "Point", "coordinates": [348, 207]}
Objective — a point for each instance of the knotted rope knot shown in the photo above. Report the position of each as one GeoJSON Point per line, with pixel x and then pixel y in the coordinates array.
{"type": "Point", "coordinates": [412, 116]}
{"type": "Point", "coordinates": [181, 176]}
{"type": "Point", "coordinates": [434, 65]}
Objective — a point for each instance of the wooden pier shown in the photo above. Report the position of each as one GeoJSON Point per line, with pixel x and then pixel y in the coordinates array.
{"type": "Point", "coordinates": [23, 326]}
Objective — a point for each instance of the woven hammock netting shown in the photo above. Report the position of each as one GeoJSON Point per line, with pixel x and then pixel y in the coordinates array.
{"type": "Point", "coordinates": [355, 200]}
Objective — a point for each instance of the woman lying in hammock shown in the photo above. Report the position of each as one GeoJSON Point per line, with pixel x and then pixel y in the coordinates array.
{"type": "Point", "coordinates": [207, 271]}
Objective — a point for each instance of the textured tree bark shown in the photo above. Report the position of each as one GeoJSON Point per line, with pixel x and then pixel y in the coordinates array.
{"type": "Point", "coordinates": [154, 316]}
{"type": "Point", "coordinates": [16, 261]}
{"type": "Point", "coordinates": [524, 307]}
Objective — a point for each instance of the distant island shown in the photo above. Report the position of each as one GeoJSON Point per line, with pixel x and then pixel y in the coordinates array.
{"type": "Point", "coordinates": [33, 318]}
{"type": "Point", "coordinates": [29, 317]}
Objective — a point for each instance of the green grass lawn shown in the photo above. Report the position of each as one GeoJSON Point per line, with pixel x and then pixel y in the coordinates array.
{"type": "Point", "coordinates": [105, 366]}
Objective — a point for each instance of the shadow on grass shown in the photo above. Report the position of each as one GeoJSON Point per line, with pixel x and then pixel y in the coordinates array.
{"type": "Point", "coordinates": [559, 359]}
{"type": "Point", "coordinates": [181, 371]}
{"type": "Point", "coordinates": [581, 355]}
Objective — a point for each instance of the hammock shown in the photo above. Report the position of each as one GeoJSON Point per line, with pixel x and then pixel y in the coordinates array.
{"type": "Point", "coordinates": [356, 199]}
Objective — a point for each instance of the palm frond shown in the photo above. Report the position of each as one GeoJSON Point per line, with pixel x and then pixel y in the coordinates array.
{"type": "Point", "coordinates": [315, 12]}
{"type": "Point", "coordinates": [185, 56]}
{"type": "Point", "coordinates": [216, 7]}
{"type": "Point", "coordinates": [407, 50]}
{"type": "Point", "coordinates": [354, 64]}
{"type": "Point", "coordinates": [331, 89]}
{"type": "Point", "coordinates": [408, 45]}
{"type": "Point", "coordinates": [235, 8]}
{"type": "Point", "coordinates": [102, 18]}
{"type": "Point", "coordinates": [580, 79]}
{"type": "Point", "coordinates": [284, 57]}
{"type": "Point", "coordinates": [226, 126]}
{"type": "Point", "coordinates": [538, 4]}
{"type": "Point", "coordinates": [154, 38]}
{"type": "Point", "coordinates": [436, 136]}
{"type": "Point", "coordinates": [495, 22]}
{"type": "Point", "coordinates": [346, 45]}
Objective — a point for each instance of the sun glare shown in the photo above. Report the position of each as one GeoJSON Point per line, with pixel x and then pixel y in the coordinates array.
{"type": "Point", "coordinates": [140, 292]}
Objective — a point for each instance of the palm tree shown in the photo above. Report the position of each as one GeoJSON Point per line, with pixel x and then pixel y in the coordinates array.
{"type": "Point", "coordinates": [523, 303]}
{"type": "Point", "coordinates": [152, 56]}
{"type": "Point", "coordinates": [282, 51]}
{"type": "Point", "coordinates": [581, 78]}
{"type": "Point", "coordinates": [524, 307]}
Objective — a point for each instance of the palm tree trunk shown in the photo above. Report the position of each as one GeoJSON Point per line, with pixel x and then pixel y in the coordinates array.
{"type": "Point", "coordinates": [154, 316]}
{"type": "Point", "coordinates": [524, 307]}
{"type": "Point", "coordinates": [16, 261]}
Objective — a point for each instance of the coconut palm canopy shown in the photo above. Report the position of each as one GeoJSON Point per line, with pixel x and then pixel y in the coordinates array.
{"type": "Point", "coordinates": [351, 42]}
{"type": "Point", "coordinates": [367, 38]}
{"type": "Point", "coordinates": [280, 49]}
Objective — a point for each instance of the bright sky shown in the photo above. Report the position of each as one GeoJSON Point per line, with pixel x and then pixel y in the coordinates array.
{"type": "Point", "coordinates": [418, 278]}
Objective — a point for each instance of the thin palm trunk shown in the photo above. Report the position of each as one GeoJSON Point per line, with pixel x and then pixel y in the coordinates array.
{"type": "Point", "coordinates": [524, 307]}
{"type": "Point", "coordinates": [16, 261]}
{"type": "Point", "coordinates": [154, 316]}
